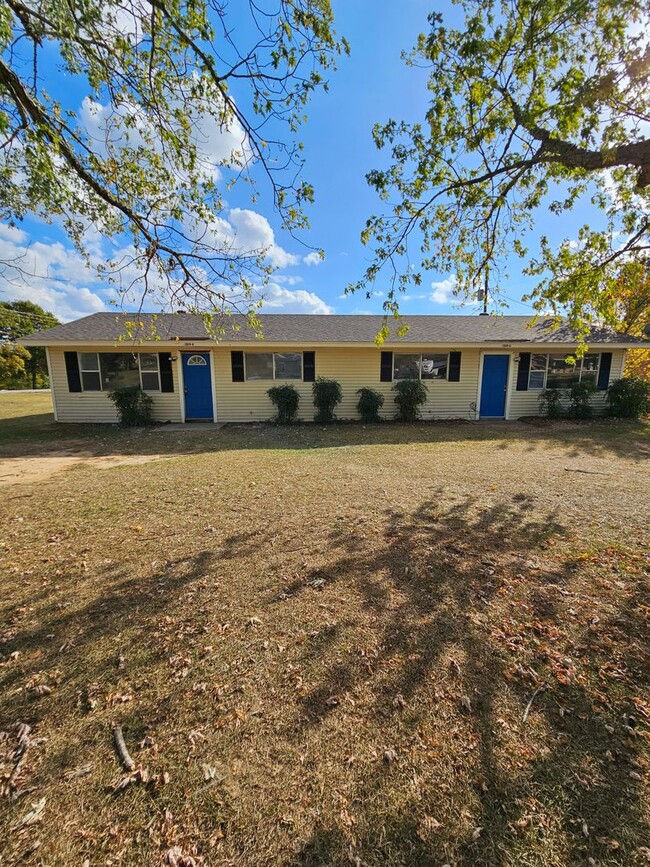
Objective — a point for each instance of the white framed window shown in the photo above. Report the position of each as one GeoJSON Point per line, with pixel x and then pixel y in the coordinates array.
{"type": "Point", "coordinates": [554, 371]}
{"type": "Point", "coordinates": [106, 371]}
{"type": "Point", "coordinates": [149, 371]}
{"type": "Point", "coordinates": [428, 365]}
{"type": "Point", "coordinates": [273, 365]}
{"type": "Point", "coordinates": [91, 378]}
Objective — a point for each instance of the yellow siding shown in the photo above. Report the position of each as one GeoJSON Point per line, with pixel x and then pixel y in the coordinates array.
{"type": "Point", "coordinates": [94, 406]}
{"type": "Point", "coordinates": [524, 403]}
{"type": "Point", "coordinates": [353, 368]}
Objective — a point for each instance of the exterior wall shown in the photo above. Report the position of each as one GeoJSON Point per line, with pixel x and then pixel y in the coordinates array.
{"type": "Point", "coordinates": [353, 368]}
{"type": "Point", "coordinates": [524, 403]}
{"type": "Point", "coordinates": [94, 406]}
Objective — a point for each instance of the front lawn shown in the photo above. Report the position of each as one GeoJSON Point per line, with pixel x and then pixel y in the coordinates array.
{"type": "Point", "coordinates": [391, 645]}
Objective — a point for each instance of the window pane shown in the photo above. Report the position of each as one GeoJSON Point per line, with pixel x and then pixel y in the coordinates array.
{"type": "Point", "coordinates": [259, 365]}
{"type": "Point", "coordinates": [536, 379]}
{"type": "Point", "coordinates": [590, 367]}
{"type": "Point", "coordinates": [538, 362]}
{"type": "Point", "coordinates": [119, 370]}
{"type": "Point", "coordinates": [88, 361]}
{"type": "Point", "coordinates": [150, 381]}
{"type": "Point", "coordinates": [91, 381]}
{"type": "Point", "coordinates": [434, 366]}
{"type": "Point", "coordinates": [288, 365]}
{"type": "Point", "coordinates": [561, 374]}
{"type": "Point", "coordinates": [148, 361]}
{"type": "Point", "coordinates": [407, 367]}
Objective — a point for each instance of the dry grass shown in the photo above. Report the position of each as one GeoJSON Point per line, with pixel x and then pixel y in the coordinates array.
{"type": "Point", "coordinates": [321, 645]}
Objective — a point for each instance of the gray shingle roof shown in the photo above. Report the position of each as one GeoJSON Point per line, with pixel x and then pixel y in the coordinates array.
{"type": "Point", "coordinates": [303, 328]}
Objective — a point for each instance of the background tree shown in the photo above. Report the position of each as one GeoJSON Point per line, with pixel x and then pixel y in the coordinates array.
{"type": "Point", "coordinates": [18, 318]}
{"type": "Point", "coordinates": [533, 104]}
{"type": "Point", "coordinates": [166, 80]}
{"type": "Point", "coordinates": [629, 295]}
{"type": "Point", "coordinates": [13, 365]}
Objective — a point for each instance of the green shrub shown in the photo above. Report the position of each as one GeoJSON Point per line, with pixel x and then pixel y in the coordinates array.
{"type": "Point", "coordinates": [410, 394]}
{"type": "Point", "coordinates": [580, 395]}
{"type": "Point", "coordinates": [369, 404]}
{"type": "Point", "coordinates": [286, 399]}
{"type": "Point", "coordinates": [134, 406]}
{"type": "Point", "coordinates": [628, 397]}
{"type": "Point", "coordinates": [550, 403]}
{"type": "Point", "coordinates": [327, 394]}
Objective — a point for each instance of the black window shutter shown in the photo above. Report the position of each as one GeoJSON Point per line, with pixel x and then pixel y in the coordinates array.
{"type": "Point", "coordinates": [386, 368]}
{"type": "Point", "coordinates": [605, 368]}
{"type": "Point", "coordinates": [309, 367]}
{"type": "Point", "coordinates": [72, 369]}
{"type": "Point", "coordinates": [237, 362]}
{"type": "Point", "coordinates": [166, 375]}
{"type": "Point", "coordinates": [522, 373]}
{"type": "Point", "coordinates": [454, 367]}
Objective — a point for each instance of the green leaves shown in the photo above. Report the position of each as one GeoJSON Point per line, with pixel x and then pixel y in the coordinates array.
{"type": "Point", "coordinates": [532, 106]}
{"type": "Point", "coordinates": [161, 128]}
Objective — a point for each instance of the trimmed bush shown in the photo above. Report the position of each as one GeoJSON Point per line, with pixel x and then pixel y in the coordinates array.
{"type": "Point", "coordinates": [285, 398]}
{"type": "Point", "coordinates": [369, 404]}
{"type": "Point", "coordinates": [580, 395]}
{"type": "Point", "coordinates": [327, 394]}
{"type": "Point", "coordinates": [550, 403]}
{"type": "Point", "coordinates": [628, 397]}
{"type": "Point", "coordinates": [134, 406]}
{"type": "Point", "coordinates": [410, 394]}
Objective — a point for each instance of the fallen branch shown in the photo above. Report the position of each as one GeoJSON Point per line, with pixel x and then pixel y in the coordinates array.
{"type": "Point", "coordinates": [590, 472]}
{"type": "Point", "coordinates": [532, 699]}
{"type": "Point", "coordinates": [118, 738]}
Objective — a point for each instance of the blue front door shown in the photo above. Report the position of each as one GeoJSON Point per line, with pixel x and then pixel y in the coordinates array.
{"type": "Point", "coordinates": [493, 386]}
{"type": "Point", "coordinates": [198, 386]}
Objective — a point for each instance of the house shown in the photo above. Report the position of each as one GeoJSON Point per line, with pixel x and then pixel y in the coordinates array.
{"type": "Point", "coordinates": [474, 366]}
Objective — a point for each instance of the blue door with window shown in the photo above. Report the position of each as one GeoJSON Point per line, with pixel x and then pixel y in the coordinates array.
{"type": "Point", "coordinates": [197, 382]}
{"type": "Point", "coordinates": [494, 385]}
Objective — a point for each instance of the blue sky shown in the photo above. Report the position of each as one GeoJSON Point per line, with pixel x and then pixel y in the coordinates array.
{"type": "Point", "coordinates": [371, 85]}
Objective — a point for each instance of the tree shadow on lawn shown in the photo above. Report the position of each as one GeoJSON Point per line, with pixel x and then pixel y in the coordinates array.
{"type": "Point", "coordinates": [117, 602]}
{"type": "Point", "coordinates": [451, 599]}
{"type": "Point", "coordinates": [462, 607]}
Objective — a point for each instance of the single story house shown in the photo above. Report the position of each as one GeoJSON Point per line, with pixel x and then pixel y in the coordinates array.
{"type": "Point", "coordinates": [479, 366]}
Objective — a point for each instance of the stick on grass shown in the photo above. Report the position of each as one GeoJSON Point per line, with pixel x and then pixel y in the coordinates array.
{"type": "Point", "coordinates": [532, 699]}
{"type": "Point", "coordinates": [118, 738]}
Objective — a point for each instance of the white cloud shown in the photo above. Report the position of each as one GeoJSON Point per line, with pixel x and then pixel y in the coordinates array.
{"type": "Point", "coordinates": [312, 258]}
{"type": "Point", "coordinates": [12, 234]}
{"type": "Point", "coordinates": [244, 233]}
{"type": "Point", "coordinates": [287, 279]}
{"type": "Point", "coordinates": [278, 299]}
{"type": "Point", "coordinates": [50, 274]}
{"type": "Point", "coordinates": [126, 19]}
{"type": "Point", "coordinates": [253, 232]}
{"type": "Point", "coordinates": [111, 128]}
{"type": "Point", "coordinates": [443, 290]}
{"type": "Point", "coordinates": [56, 277]}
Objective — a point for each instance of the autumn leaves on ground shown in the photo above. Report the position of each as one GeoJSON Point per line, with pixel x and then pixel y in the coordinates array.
{"type": "Point", "coordinates": [393, 645]}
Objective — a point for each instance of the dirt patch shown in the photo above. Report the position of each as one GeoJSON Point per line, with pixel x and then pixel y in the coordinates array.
{"type": "Point", "coordinates": [21, 471]}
